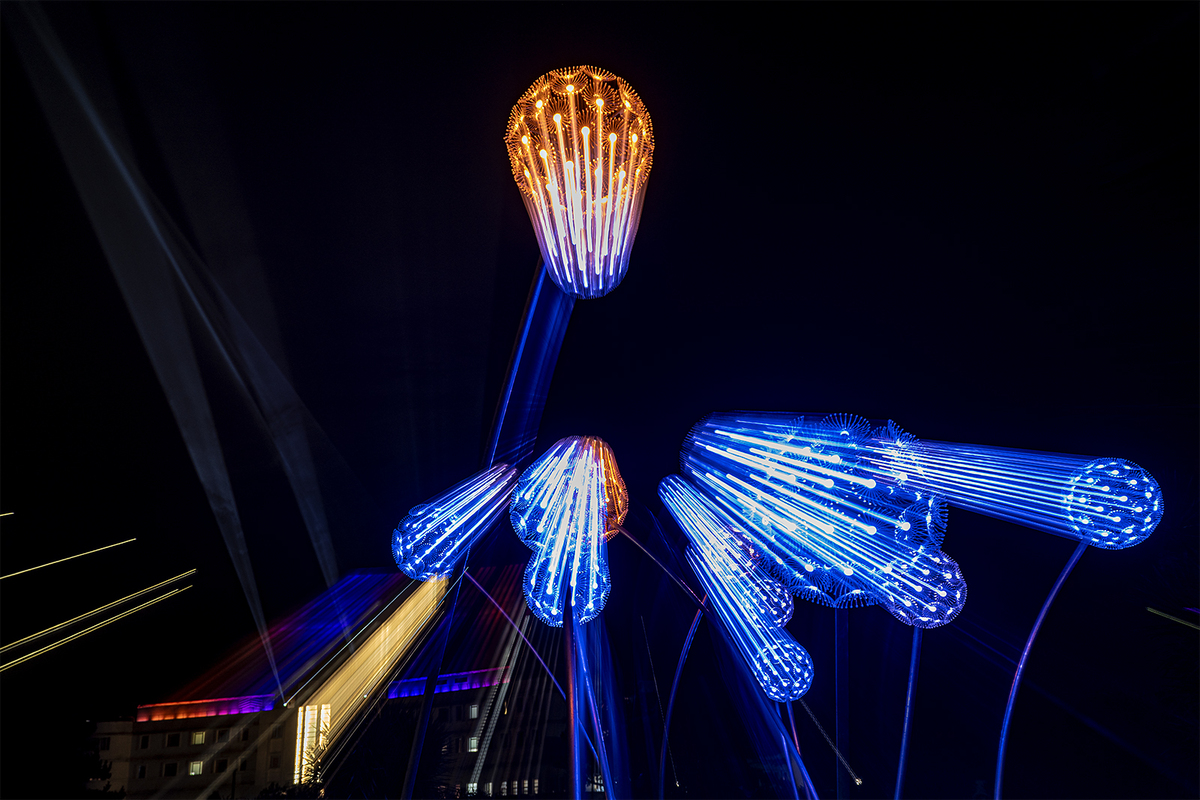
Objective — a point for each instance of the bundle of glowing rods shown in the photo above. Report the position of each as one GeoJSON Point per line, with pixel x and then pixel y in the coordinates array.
{"type": "Point", "coordinates": [751, 607]}
{"type": "Point", "coordinates": [565, 507]}
{"type": "Point", "coordinates": [830, 532]}
{"type": "Point", "coordinates": [436, 535]}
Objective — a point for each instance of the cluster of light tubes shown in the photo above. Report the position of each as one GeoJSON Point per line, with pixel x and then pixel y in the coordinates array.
{"type": "Point", "coordinates": [580, 143]}
{"type": "Point", "coordinates": [751, 606]}
{"type": "Point", "coordinates": [565, 507]}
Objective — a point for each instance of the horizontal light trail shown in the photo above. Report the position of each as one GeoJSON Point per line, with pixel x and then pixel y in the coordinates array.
{"type": "Point", "coordinates": [566, 506]}
{"type": "Point", "coordinates": [95, 611]}
{"type": "Point", "coordinates": [68, 558]}
{"type": "Point", "coordinates": [86, 631]}
{"type": "Point", "coordinates": [1173, 619]}
{"type": "Point", "coordinates": [436, 535]}
{"type": "Point", "coordinates": [829, 530]}
{"type": "Point", "coordinates": [580, 144]}
{"type": "Point", "coordinates": [7, 514]}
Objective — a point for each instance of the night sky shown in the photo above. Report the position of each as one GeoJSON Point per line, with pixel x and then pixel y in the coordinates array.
{"type": "Point", "coordinates": [979, 220]}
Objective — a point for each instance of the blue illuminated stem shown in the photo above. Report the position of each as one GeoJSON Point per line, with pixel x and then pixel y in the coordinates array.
{"type": "Point", "coordinates": [908, 706]}
{"type": "Point", "coordinates": [435, 535]}
{"type": "Point", "coordinates": [687, 645]}
{"type": "Point", "coordinates": [808, 784]}
{"type": "Point", "coordinates": [574, 751]}
{"type": "Point", "coordinates": [1016, 684]}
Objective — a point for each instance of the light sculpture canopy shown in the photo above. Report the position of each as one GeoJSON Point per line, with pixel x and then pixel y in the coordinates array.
{"type": "Point", "coordinates": [829, 532]}
{"type": "Point", "coordinates": [435, 535]}
{"type": "Point", "coordinates": [751, 607]}
{"type": "Point", "coordinates": [565, 507]}
{"type": "Point", "coordinates": [580, 143]}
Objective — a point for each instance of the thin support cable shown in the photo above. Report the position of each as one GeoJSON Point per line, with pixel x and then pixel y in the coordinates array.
{"type": "Point", "coordinates": [1016, 684]}
{"type": "Point", "coordinates": [687, 644]}
{"type": "Point", "coordinates": [908, 705]}
{"type": "Point", "coordinates": [808, 784]}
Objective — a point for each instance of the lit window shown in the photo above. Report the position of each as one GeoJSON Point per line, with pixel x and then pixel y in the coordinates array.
{"type": "Point", "coordinates": [473, 713]}
{"type": "Point", "coordinates": [198, 737]}
{"type": "Point", "coordinates": [141, 773]}
{"type": "Point", "coordinates": [525, 786]}
{"type": "Point", "coordinates": [473, 744]}
{"type": "Point", "coordinates": [535, 780]}
{"type": "Point", "coordinates": [169, 770]}
{"type": "Point", "coordinates": [222, 764]}
{"type": "Point", "coordinates": [195, 768]}
{"type": "Point", "coordinates": [145, 742]}
{"type": "Point", "coordinates": [223, 735]}
{"type": "Point", "coordinates": [172, 740]}
{"type": "Point", "coordinates": [472, 789]}
{"type": "Point", "coordinates": [487, 788]}
{"type": "Point", "coordinates": [504, 788]}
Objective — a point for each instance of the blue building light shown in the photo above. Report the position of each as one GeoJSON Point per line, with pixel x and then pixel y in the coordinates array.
{"type": "Point", "coordinates": [829, 531]}
{"type": "Point", "coordinates": [565, 507]}
{"type": "Point", "coordinates": [435, 535]}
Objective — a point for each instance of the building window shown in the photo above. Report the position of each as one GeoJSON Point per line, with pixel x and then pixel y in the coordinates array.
{"type": "Point", "coordinates": [244, 765]}
{"type": "Point", "coordinates": [472, 789]}
{"type": "Point", "coordinates": [245, 734]}
{"type": "Point", "coordinates": [222, 764]}
{"type": "Point", "coordinates": [525, 786]}
{"type": "Point", "coordinates": [172, 740]}
{"type": "Point", "coordinates": [198, 737]}
{"type": "Point", "coordinates": [473, 744]}
{"type": "Point", "coordinates": [145, 742]}
{"type": "Point", "coordinates": [504, 788]}
{"type": "Point", "coordinates": [196, 768]}
{"type": "Point", "coordinates": [473, 712]}
{"type": "Point", "coordinates": [274, 762]}
{"type": "Point", "coordinates": [103, 745]}
{"type": "Point", "coordinates": [277, 733]}
{"type": "Point", "coordinates": [141, 772]}
{"type": "Point", "coordinates": [487, 788]}
{"type": "Point", "coordinates": [535, 780]}
{"type": "Point", "coordinates": [170, 769]}
{"type": "Point", "coordinates": [223, 735]}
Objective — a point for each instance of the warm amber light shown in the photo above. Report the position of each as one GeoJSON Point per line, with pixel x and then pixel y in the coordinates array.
{"type": "Point", "coordinates": [584, 197]}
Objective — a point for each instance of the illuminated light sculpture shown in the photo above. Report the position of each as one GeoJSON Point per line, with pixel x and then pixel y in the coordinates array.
{"type": "Point", "coordinates": [580, 144]}
{"type": "Point", "coordinates": [830, 532]}
{"type": "Point", "coordinates": [750, 605]}
{"type": "Point", "coordinates": [1109, 503]}
{"type": "Point", "coordinates": [435, 535]}
{"type": "Point", "coordinates": [565, 507]}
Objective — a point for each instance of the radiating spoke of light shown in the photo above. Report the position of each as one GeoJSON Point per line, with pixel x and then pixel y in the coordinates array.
{"type": "Point", "coordinates": [580, 144]}
{"type": "Point", "coordinates": [68, 558]}
{"type": "Point", "coordinates": [86, 631]}
{"type": "Point", "coordinates": [435, 535]}
{"type": "Point", "coordinates": [95, 611]}
{"type": "Point", "coordinates": [565, 507]}
{"type": "Point", "coordinates": [825, 528]}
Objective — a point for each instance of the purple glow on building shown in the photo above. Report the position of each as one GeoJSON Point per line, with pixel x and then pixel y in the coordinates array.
{"type": "Point", "coordinates": [214, 707]}
{"type": "Point", "coordinates": [454, 682]}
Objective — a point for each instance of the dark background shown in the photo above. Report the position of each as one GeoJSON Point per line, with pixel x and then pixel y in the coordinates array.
{"type": "Point", "coordinates": [979, 220]}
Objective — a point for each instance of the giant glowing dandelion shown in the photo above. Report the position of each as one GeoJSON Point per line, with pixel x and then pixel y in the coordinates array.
{"type": "Point", "coordinates": [831, 533]}
{"type": "Point", "coordinates": [752, 607]}
{"type": "Point", "coordinates": [566, 506]}
{"type": "Point", "coordinates": [435, 535]}
{"type": "Point", "coordinates": [580, 144]}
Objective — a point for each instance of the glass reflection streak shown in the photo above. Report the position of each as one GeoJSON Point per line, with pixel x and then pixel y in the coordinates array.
{"type": "Point", "coordinates": [435, 535]}
{"type": "Point", "coordinates": [726, 546]}
{"type": "Point", "coordinates": [565, 507]}
{"type": "Point", "coordinates": [833, 534]}
{"type": "Point", "coordinates": [580, 144]}
{"type": "Point", "coordinates": [1109, 503]}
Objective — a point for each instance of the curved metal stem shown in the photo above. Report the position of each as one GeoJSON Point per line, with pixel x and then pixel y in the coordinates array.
{"type": "Point", "coordinates": [687, 644]}
{"type": "Point", "coordinates": [908, 705]}
{"type": "Point", "coordinates": [1016, 684]}
{"type": "Point", "coordinates": [808, 784]}
{"type": "Point", "coordinates": [678, 581]}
